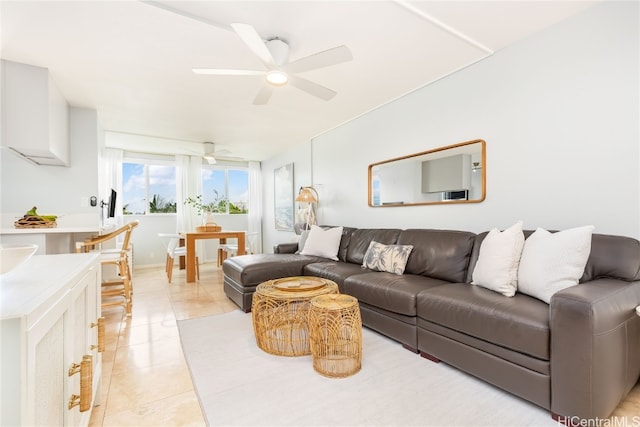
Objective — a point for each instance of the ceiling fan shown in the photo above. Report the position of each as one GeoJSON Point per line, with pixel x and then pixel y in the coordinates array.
{"type": "Point", "coordinates": [211, 155]}
{"type": "Point", "coordinates": [274, 54]}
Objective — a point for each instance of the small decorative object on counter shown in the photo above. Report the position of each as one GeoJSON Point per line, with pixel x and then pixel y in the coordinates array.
{"type": "Point", "coordinates": [31, 219]}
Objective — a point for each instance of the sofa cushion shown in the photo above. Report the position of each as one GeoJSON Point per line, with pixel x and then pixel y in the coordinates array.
{"type": "Point", "coordinates": [333, 270]}
{"type": "Point", "coordinates": [553, 261]}
{"type": "Point", "coordinates": [520, 323]}
{"type": "Point", "coordinates": [361, 238]}
{"type": "Point", "coordinates": [250, 270]}
{"type": "Point", "coordinates": [389, 258]}
{"type": "Point", "coordinates": [615, 257]}
{"type": "Point", "coordinates": [389, 291]}
{"type": "Point", "coordinates": [344, 242]}
{"type": "Point", "coordinates": [440, 254]}
{"type": "Point", "coordinates": [323, 242]}
{"type": "Point", "coordinates": [498, 260]}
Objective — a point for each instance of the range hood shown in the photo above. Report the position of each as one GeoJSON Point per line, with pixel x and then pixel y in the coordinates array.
{"type": "Point", "coordinates": [39, 157]}
{"type": "Point", "coordinates": [35, 115]}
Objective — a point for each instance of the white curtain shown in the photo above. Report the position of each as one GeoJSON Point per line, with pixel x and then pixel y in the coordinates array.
{"type": "Point", "coordinates": [182, 191]}
{"type": "Point", "coordinates": [112, 165]}
{"type": "Point", "coordinates": [189, 184]}
{"type": "Point", "coordinates": [255, 203]}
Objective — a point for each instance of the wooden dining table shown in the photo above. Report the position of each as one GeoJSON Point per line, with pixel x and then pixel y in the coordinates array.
{"type": "Point", "coordinates": [190, 242]}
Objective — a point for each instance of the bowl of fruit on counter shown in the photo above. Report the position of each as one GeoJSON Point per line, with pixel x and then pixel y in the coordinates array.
{"type": "Point", "coordinates": [32, 219]}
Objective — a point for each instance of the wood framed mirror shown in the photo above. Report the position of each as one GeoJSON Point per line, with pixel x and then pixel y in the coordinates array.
{"type": "Point", "coordinates": [452, 174]}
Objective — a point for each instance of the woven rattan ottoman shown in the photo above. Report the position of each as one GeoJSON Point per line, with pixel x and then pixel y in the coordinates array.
{"type": "Point", "coordinates": [335, 327]}
{"type": "Point", "coordinates": [280, 310]}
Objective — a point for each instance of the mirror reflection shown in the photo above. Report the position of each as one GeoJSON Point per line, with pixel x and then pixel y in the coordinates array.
{"type": "Point", "coordinates": [451, 174]}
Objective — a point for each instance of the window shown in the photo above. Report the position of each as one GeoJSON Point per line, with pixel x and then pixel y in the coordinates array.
{"type": "Point", "coordinates": [228, 187]}
{"type": "Point", "coordinates": [149, 186]}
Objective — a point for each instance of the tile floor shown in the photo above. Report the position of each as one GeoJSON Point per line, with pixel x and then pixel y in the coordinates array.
{"type": "Point", "coordinates": [145, 378]}
{"type": "Point", "coordinates": [146, 381]}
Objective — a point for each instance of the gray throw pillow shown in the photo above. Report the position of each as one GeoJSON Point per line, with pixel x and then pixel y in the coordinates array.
{"type": "Point", "coordinates": [302, 241]}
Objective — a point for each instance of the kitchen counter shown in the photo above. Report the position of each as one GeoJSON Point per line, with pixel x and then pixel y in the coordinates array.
{"type": "Point", "coordinates": [50, 316]}
{"type": "Point", "coordinates": [38, 283]}
{"type": "Point", "coordinates": [49, 230]}
{"type": "Point", "coordinates": [58, 240]}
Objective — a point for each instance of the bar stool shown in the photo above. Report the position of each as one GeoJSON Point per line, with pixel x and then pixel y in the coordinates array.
{"type": "Point", "coordinates": [116, 291]}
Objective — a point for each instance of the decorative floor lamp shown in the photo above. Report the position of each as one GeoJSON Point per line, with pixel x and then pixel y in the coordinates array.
{"type": "Point", "coordinates": [306, 215]}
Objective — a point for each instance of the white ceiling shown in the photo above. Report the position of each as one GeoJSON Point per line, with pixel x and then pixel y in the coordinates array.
{"type": "Point", "coordinates": [132, 60]}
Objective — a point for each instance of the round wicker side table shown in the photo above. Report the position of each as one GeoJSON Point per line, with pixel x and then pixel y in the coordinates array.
{"type": "Point", "coordinates": [335, 327]}
{"type": "Point", "coordinates": [280, 309]}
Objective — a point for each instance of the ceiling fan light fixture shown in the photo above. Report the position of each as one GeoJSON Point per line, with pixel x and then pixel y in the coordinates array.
{"type": "Point", "coordinates": [277, 78]}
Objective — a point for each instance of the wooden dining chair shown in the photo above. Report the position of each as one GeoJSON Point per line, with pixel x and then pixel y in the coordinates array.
{"type": "Point", "coordinates": [226, 250]}
{"type": "Point", "coordinates": [115, 291]}
{"type": "Point", "coordinates": [171, 242]}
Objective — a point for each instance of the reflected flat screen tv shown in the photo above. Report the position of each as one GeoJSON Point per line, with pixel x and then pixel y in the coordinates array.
{"type": "Point", "coordinates": [112, 204]}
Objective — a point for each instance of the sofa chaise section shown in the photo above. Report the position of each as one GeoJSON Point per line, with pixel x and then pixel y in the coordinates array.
{"type": "Point", "coordinates": [242, 274]}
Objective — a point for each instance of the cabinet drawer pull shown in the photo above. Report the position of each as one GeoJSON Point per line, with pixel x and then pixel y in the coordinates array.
{"type": "Point", "coordinates": [100, 325]}
{"type": "Point", "coordinates": [86, 383]}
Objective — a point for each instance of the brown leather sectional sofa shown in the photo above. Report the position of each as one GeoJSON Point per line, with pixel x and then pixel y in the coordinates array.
{"type": "Point", "coordinates": [577, 357]}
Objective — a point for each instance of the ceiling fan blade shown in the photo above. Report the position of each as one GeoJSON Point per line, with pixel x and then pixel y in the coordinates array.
{"type": "Point", "coordinates": [226, 72]}
{"type": "Point", "coordinates": [263, 95]}
{"type": "Point", "coordinates": [252, 39]}
{"type": "Point", "coordinates": [232, 158]}
{"type": "Point", "coordinates": [312, 88]}
{"type": "Point", "coordinates": [322, 59]}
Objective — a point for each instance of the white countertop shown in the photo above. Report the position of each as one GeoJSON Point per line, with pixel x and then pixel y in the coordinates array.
{"type": "Point", "coordinates": [66, 223]}
{"type": "Point", "coordinates": [49, 230]}
{"type": "Point", "coordinates": [40, 282]}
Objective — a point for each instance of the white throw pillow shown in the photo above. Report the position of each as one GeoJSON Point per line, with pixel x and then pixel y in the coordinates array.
{"type": "Point", "coordinates": [551, 262]}
{"type": "Point", "coordinates": [323, 243]}
{"type": "Point", "coordinates": [389, 258]}
{"type": "Point", "coordinates": [498, 260]}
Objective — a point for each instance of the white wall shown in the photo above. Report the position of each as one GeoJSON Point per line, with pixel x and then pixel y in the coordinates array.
{"type": "Point", "coordinates": [55, 189]}
{"type": "Point", "coordinates": [300, 156]}
{"type": "Point", "coordinates": [559, 112]}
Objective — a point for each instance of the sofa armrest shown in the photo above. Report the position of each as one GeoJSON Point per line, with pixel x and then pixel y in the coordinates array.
{"type": "Point", "coordinates": [285, 248]}
{"type": "Point", "coordinates": [595, 347]}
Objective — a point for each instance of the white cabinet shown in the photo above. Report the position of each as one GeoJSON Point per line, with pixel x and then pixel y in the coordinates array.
{"type": "Point", "coordinates": [35, 115]}
{"type": "Point", "coordinates": [49, 311]}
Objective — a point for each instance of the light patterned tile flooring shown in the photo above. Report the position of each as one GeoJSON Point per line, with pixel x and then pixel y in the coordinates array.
{"type": "Point", "coordinates": [146, 381]}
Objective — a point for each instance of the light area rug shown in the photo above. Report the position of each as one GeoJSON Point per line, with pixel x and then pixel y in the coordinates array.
{"type": "Point", "coordinates": [239, 384]}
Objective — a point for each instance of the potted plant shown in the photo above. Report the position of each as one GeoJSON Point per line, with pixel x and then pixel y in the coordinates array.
{"type": "Point", "coordinates": [219, 204]}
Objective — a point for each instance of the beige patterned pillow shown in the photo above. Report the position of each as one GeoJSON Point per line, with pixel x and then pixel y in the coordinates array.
{"type": "Point", "coordinates": [389, 258]}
